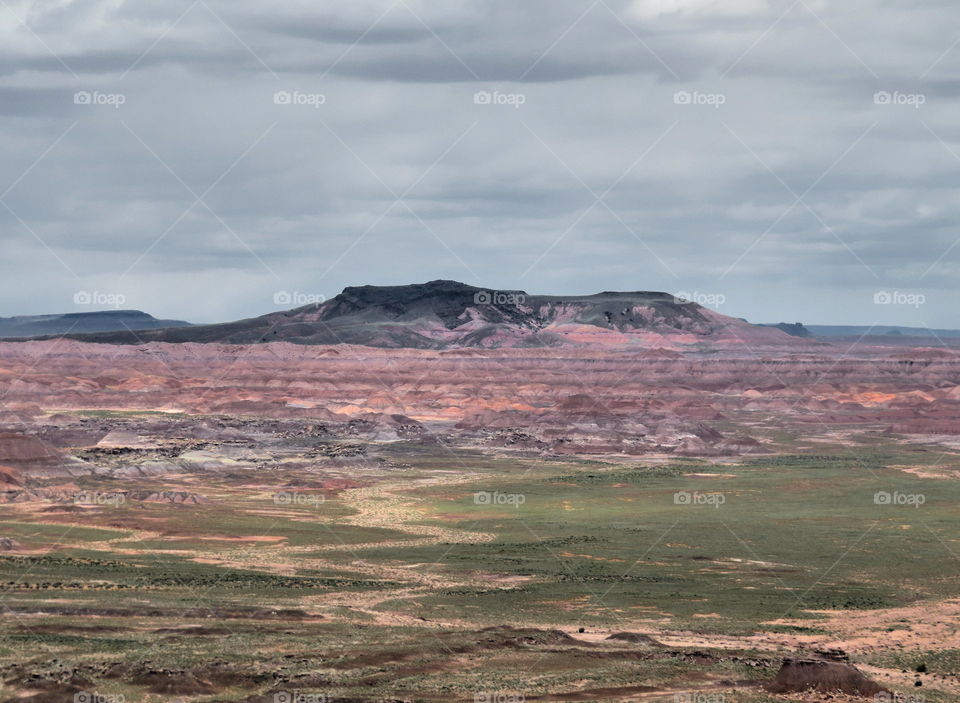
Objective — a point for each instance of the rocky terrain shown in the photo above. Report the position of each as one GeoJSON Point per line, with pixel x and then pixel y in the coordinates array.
{"type": "Point", "coordinates": [448, 315]}
{"type": "Point", "coordinates": [579, 402]}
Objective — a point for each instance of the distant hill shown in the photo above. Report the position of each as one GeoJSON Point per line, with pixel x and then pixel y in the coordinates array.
{"type": "Point", "coordinates": [879, 331]}
{"type": "Point", "coordinates": [448, 314]}
{"type": "Point", "coordinates": [795, 329]}
{"type": "Point", "coordinates": [800, 330]}
{"type": "Point", "coordinates": [82, 322]}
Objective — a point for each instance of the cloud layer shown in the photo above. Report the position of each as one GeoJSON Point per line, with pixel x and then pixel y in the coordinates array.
{"type": "Point", "coordinates": [197, 156]}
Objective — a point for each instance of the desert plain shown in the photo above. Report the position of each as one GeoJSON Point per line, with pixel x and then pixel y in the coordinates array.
{"type": "Point", "coordinates": [279, 522]}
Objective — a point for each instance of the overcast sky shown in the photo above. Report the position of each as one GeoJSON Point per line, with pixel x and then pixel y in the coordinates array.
{"type": "Point", "coordinates": [779, 159]}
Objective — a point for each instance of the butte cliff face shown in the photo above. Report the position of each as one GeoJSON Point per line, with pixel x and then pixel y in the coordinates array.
{"type": "Point", "coordinates": [448, 314]}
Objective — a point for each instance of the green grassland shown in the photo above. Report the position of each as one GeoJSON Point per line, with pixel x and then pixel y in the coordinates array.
{"type": "Point", "coordinates": [618, 540]}
{"type": "Point", "coordinates": [241, 597]}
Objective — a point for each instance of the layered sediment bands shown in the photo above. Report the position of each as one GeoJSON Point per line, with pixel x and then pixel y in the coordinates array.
{"type": "Point", "coordinates": [562, 401]}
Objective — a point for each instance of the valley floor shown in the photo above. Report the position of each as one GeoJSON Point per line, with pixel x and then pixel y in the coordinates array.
{"type": "Point", "coordinates": [508, 580]}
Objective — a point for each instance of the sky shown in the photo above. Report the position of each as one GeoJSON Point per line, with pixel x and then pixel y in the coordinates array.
{"type": "Point", "coordinates": [209, 160]}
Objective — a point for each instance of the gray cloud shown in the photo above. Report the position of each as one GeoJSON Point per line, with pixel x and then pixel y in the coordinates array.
{"type": "Point", "coordinates": [619, 103]}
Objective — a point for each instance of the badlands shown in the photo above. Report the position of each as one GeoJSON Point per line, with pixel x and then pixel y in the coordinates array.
{"type": "Point", "coordinates": [621, 497]}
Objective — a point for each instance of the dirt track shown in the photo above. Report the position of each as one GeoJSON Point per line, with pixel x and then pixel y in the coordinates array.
{"type": "Point", "coordinates": [381, 506]}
